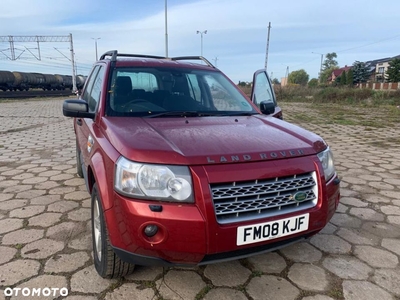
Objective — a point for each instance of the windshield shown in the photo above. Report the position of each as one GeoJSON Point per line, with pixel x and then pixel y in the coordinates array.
{"type": "Point", "coordinates": [146, 92]}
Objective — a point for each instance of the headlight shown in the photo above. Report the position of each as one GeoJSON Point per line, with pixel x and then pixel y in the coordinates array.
{"type": "Point", "coordinates": [327, 162]}
{"type": "Point", "coordinates": [154, 182]}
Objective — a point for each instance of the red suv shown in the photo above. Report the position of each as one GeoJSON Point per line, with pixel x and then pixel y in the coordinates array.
{"type": "Point", "coordinates": [184, 169]}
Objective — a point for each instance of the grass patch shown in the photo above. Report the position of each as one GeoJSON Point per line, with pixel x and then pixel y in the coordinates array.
{"type": "Point", "coordinates": [203, 292]}
{"type": "Point", "coordinates": [18, 246]}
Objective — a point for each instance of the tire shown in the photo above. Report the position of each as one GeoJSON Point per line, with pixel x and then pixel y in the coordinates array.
{"type": "Point", "coordinates": [79, 170]}
{"type": "Point", "coordinates": [106, 262]}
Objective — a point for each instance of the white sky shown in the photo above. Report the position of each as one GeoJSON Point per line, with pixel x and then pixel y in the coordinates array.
{"type": "Point", "coordinates": [236, 32]}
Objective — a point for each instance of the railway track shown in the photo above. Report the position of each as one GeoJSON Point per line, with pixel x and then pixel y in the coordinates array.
{"type": "Point", "coordinates": [34, 94]}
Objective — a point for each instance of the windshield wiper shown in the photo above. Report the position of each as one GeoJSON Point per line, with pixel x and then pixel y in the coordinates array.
{"type": "Point", "coordinates": [241, 113]}
{"type": "Point", "coordinates": [182, 114]}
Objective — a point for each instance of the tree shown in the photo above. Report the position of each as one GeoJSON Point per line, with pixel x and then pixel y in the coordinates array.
{"type": "Point", "coordinates": [350, 78]}
{"type": "Point", "coordinates": [313, 83]}
{"type": "Point", "coordinates": [330, 61]}
{"type": "Point", "coordinates": [298, 77]}
{"type": "Point", "coordinates": [327, 73]}
{"type": "Point", "coordinates": [343, 78]}
{"type": "Point", "coordinates": [393, 71]}
{"type": "Point", "coordinates": [360, 72]}
{"type": "Point", "coordinates": [275, 81]}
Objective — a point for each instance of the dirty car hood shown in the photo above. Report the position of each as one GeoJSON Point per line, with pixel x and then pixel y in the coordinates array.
{"type": "Point", "coordinates": [208, 140]}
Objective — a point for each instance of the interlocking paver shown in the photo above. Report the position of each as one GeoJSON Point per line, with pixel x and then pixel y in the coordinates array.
{"type": "Point", "coordinates": [41, 249]}
{"type": "Point", "coordinates": [355, 290]}
{"type": "Point", "coordinates": [388, 279]}
{"type": "Point", "coordinates": [358, 236]}
{"type": "Point", "coordinates": [27, 211]}
{"type": "Point", "coordinates": [268, 263]}
{"type": "Point", "coordinates": [45, 219]}
{"type": "Point", "coordinates": [180, 285]}
{"type": "Point", "coordinates": [45, 229]}
{"type": "Point", "coordinates": [22, 236]}
{"type": "Point", "coordinates": [309, 277]}
{"type": "Point", "coordinates": [87, 281]}
{"type": "Point", "coordinates": [227, 274]}
{"type": "Point", "coordinates": [62, 263]}
{"type": "Point", "coordinates": [330, 244]}
{"type": "Point", "coordinates": [7, 253]}
{"type": "Point", "coordinates": [347, 267]}
{"type": "Point", "coordinates": [224, 294]}
{"type": "Point", "coordinates": [65, 231]}
{"type": "Point", "coordinates": [375, 257]}
{"type": "Point", "coordinates": [131, 291]}
{"type": "Point", "coordinates": [17, 270]}
{"type": "Point", "coordinates": [268, 287]}
{"type": "Point", "coordinates": [7, 225]}
{"type": "Point", "coordinates": [302, 252]}
{"type": "Point", "coordinates": [14, 203]}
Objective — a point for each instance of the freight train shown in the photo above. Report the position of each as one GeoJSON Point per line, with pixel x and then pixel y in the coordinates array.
{"type": "Point", "coordinates": [21, 81]}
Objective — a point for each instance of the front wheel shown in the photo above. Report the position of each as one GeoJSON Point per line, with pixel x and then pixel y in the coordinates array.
{"type": "Point", "coordinates": [106, 262]}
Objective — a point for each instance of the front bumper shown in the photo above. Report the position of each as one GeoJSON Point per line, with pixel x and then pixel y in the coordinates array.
{"type": "Point", "coordinates": [189, 234]}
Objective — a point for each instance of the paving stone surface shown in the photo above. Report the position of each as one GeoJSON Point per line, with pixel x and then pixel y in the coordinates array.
{"type": "Point", "coordinates": [45, 237]}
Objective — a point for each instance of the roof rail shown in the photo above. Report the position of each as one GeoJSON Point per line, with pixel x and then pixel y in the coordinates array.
{"type": "Point", "coordinates": [114, 54]}
{"type": "Point", "coordinates": [194, 58]}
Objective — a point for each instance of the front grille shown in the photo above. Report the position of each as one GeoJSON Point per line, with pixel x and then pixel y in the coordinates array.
{"type": "Point", "coordinates": [248, 200]}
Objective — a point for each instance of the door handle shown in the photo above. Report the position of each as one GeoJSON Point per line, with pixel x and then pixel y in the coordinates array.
{"type": "Point", "coordinates": [79, 122]}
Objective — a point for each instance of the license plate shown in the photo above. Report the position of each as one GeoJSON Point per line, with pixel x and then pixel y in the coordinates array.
{"type": "Point", "coordinates": [271, 230]}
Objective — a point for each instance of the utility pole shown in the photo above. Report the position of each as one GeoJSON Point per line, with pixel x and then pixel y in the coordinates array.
{"type": "Point", "coordinates": [166, 30]}
{"type": "Point", "coordinates": [320, 68]}
{"type": "Point", "coordinates": [201, 33]}
{"type": "Point", "coordinates": [266, 53]}
{"type": "Point", "coordinates": [287, 75]}
{"type": "Point", "coordinates": [73, 64]}
{"type": "Point", "coordinates": [215, 61]}
{"type": "Point", "coordinates": [95, 46]}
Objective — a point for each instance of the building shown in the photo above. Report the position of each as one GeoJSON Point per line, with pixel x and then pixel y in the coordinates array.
{"type": "Point", "coordinates": [378, 68]}
{"type": "Point", "coordinates": [337, 73]}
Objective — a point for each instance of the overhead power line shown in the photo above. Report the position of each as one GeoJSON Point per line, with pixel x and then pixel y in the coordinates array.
{"type": "Point", "coordinates": [35, 38]}
{"type": "Point", "coordinates": [39, 39]}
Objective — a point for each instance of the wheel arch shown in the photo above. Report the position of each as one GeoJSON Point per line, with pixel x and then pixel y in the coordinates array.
{"type": "Point", "coordinates": [97, 173]}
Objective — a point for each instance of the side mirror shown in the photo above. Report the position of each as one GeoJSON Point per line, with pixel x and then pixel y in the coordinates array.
{"type": "Point", "coordinates": [267, 108]}
{"type": "Point", "coordinates": [77, 109]}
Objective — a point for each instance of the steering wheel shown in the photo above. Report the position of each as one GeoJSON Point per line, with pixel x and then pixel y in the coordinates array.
{"type": "Point", "coordinates": [135, 101]}
{"type": "Point", "coordinates": [130, 106]}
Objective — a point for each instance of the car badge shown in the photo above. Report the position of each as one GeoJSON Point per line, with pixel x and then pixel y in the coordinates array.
{"type": "Point", "coordinates": [300, 196]}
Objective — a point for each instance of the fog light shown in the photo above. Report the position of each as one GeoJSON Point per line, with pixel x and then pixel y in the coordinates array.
{"type": "Point", "coordinates": [150, 230]}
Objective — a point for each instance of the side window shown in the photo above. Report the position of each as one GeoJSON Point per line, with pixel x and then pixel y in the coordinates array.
{"type": "Point", "coordinates": [262, 89]}
{"type": "Point", "coordinates": [96, 90]}
{"type": "Point", "coordinates": [194, 88]}
{"type": "Point", "coordinates": [141, 80]}
{"type": "Point", "coordinates": [222, 97]}
{"type": "Point", "coordinates": [144, 81]}
{"type": "Point", "coordinates": [93, 89]}
{"type": "Point", "coordinates": [90, 82]}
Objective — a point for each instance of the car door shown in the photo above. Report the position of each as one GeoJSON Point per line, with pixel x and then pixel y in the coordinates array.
{"type": "Point", "coordinates": [262, 91]}
{"type": "Point", "coordinates": [84, 126]}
